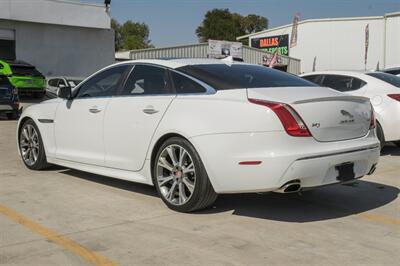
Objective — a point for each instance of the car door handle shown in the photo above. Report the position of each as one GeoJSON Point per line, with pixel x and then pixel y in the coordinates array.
{"type": "Point", "coordinates": [94, 110]}
{"type": "Point", "coordinates": [150, 110]}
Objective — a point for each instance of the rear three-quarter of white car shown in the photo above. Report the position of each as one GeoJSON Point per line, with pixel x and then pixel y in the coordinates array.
{"type": "Point", "coordinates": [196, 128]}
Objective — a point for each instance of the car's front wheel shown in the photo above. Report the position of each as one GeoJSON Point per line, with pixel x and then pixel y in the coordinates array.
{"type": "Point", "coordinates": [180, 177]}
{"type": "Point", "coordinates": [31, 146]}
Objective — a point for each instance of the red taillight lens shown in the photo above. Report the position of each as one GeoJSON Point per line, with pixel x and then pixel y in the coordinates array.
{"type": "Point", "coordinates": [395, 96]}
{"type": "Point", "coordinates": [372, 124]}
{"type": "Point", "coordinates": [290, 119]}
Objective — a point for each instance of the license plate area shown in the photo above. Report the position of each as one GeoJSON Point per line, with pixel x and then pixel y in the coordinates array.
{"type": "Point", "coordinates": [345, 171]}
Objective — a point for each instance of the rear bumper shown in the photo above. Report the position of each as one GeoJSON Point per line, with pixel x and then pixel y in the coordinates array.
{"type": "Point", "coordinates": [283, 158]}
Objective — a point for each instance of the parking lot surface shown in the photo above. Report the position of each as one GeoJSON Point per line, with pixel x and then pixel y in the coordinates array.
{"type": "Point", "coordinates": [67, 217]}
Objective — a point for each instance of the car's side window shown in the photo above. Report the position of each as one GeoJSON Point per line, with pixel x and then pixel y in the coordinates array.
{"type": "Point", "coordinates": [184, 84]}
{"type": "Point", "coordinates": [343, 83]}
{"type": "Point", "coordinates": [147, 80]}
{"type": "Point", "coordinates": [54, 82]}
{"type": "Point", "coordinates": [104, 83]}
{"type": "Point", "coordinates": [317, 79]}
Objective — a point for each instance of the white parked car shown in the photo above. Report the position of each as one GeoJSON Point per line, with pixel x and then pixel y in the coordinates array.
{"type": "Point", "coordinates": [54, 83]}
{"type": "Point", "coordinates": [195, 128]}
{"type": "Point", "coordinates": [383, 90]}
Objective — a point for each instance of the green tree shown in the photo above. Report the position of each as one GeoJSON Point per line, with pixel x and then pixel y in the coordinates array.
{"type": "Point", "coordinates": [221, 24]}
{"type": "Point", "coordinates": [131, 35]}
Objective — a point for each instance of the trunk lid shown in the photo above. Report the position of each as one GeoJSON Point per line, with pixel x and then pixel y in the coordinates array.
{"type": "Point", "coordinates": [328, 114]}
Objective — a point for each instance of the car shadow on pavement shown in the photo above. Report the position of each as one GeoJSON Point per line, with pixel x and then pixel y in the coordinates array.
{"type": "Point", "coordinates": [325, 203]}
{"type": "Point", "coordinates": [390, 150]}
{"type": "Point", "coordinates": [113, 182]}
{"type": "Point", "coordinates": [320, 204]}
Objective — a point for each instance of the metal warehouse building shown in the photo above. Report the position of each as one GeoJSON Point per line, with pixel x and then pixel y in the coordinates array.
{"type": "Point", "coordinates": [249, 55]}
{"type": "Point", "coordinates": [337, 43]}
{"type": "Point", "coordinates": [59, 37]}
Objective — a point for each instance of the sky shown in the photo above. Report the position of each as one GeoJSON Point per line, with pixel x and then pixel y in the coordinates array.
{"type": "Point", "coordinates": [174, 22]}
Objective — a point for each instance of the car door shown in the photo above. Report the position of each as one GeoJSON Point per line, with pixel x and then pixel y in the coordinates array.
{"type": "Point", "coordinates": [79, 122]}
{"type": "Point", "coordinates": [133, 116]}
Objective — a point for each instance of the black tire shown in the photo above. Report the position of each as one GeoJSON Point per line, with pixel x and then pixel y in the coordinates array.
{"type": "Point", "coordinates": [41, 161]}
{"type": "Point", "coordinates": [380, 135]}
{"type": "Point", "coordinates": [397, 143]}
{"type": "Point", "coordinates": [203, 194]}
{"type": "Point", "coordinates": [12, 116]}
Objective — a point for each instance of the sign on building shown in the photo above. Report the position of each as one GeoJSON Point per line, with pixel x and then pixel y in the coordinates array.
{"type": "Point", "coordinates": [221, 49]}
{"type": "Point", "coordinates": [271, 43]}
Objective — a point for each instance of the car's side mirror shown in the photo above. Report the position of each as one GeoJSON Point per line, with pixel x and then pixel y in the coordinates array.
{"type": "Point", "coordinates": [64, 92]}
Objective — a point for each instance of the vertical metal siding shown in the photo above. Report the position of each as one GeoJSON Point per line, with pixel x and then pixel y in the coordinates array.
{"type": "Point", "coordinates": [250, 55]}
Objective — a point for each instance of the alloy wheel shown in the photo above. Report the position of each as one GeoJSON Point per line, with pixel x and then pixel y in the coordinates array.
{"type": "Point", "coordinates": [29, 144]}
{"type": "Point", "coordinates": [176, 174]}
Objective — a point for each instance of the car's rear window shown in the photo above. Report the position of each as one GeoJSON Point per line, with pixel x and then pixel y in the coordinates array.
{"type": "Point", "coordinates": [389, 78]}
{"type": "Point", "coordinates": [225, 77]}
{"type": "Point", "coordinates": [25, 71]}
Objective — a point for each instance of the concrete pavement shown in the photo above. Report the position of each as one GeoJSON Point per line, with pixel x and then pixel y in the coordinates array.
{"type": "Point", "coordinates": [67, 217]}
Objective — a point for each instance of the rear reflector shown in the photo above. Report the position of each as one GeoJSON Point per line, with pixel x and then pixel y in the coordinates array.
{"type": "Point", "coordinates": [395, 96]}
{"type": "Point", "coordinates": [250, 163]}
{"type": "Point", "coordinates": [290, 119]}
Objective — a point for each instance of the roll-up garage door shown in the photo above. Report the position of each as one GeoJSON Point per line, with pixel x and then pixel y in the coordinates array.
{"type": "Point", "coordinates": [7, 44]}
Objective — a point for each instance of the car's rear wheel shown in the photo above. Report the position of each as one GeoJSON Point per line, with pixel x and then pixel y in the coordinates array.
{"type": "Point", "coordinates": [31, 146]}
{"type": "Point", "coordinates": [397, 143]}
{"type": "Point", "coordinates": [180, 177]}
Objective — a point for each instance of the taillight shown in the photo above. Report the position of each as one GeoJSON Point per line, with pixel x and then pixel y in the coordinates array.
{"type": "Point", "coordinates": [372, 124]}
{"type": "Point", "coordinates": [290, 119]}
{"type": "Point", "coordinates": [395, 96]}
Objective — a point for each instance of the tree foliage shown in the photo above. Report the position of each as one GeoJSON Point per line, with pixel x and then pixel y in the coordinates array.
{"type": "Point", "coordinates": [221, 24]}
{"type": "Point", "coordinates": [131, 35]}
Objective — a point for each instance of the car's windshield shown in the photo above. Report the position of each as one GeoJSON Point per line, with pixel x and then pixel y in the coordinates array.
{"type": "Point", "coordinates": [225, 77]}
{"type": "Point", "coordinates": [389, 78]}
{"type": "Point", "coordinates": [25, 71]}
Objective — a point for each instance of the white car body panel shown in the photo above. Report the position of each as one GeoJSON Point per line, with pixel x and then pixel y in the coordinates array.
{"type": "Point", "coordinates": [224, 128]}
{"type": "Point", "coordinates": [387, 110]}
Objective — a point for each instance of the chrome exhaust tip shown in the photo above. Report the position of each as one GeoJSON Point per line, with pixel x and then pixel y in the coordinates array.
{"type": "Point", "coordinates": [290, 187]}
{"type": "Point", "coordinates": [372, 170]}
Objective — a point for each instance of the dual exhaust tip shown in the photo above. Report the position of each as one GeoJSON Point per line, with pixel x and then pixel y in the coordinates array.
{"type": "Point", "coordinates": [292, 186]}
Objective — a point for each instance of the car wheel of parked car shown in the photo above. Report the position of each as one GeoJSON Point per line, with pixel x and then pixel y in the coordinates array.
{"type": "Point", "coordinates": [180, 177]}
{"type": "Point", "coordinates": [397, 143]}
{"type": "Point", "coordinates": [31, 146]}
{"type": "Point", "coordinates": [380, 135]}
{"type": "Point", "coordinates": [12, 116]}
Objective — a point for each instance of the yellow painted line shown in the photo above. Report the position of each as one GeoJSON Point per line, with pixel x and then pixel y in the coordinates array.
{"type": "Point", "coordinates": [64, 242]}
{"type": "Point", "coordinates": [379, 218]}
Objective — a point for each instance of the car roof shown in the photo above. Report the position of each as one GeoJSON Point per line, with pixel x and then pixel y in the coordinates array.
{"type": "Point", "coordinates": [181, 62]}
{"type": "Point", "coordinates": [338, 72]}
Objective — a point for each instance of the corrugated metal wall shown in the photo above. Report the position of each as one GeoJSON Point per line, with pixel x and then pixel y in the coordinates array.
{"type": "Point", "coordinates": [250, 55]}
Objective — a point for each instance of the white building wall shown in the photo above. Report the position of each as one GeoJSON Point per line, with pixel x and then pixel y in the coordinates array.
{"type": "Point", "coordinates": [392, 43]}
{"type": "Point", "coordinates": [338, 44]}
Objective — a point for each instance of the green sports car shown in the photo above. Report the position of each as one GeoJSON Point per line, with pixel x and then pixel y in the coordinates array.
{"type": "Point", "coordinates": [25, 77]}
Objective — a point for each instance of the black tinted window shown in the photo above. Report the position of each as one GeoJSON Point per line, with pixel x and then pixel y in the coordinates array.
{"type": "Point", "coordinates": [317, 79]}
{"type": "Point", "coordinates": [183, 84]}
{"type": "Point", "coordinates": [389, 78]}
{"type": "Point", "coordinates": [393, 71]}
{"type": "Point", "coordinates": [146, 80]}
{"type": "Point", "coordinates": [103, 84]}
{"type": "Point", "coordinates": [54, 82]}
{"type": "Point", "coordinates": [25, 71]}
{"type": "Point", "coordinates": [343, 83]}
{"type": "Point", "coordinates": [224, 77]}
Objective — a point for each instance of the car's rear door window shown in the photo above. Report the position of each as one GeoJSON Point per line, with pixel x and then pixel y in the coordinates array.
{"type": "Point", "coordinates": [317, 79]}
{"type": "Point", "coordinates": [147, 80]}
{"type": "Point", "coordinates": [185, 85]}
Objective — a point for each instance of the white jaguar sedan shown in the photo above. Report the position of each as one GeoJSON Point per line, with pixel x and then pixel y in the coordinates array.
{"type": "Point", "coordinates": [195, 128]}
